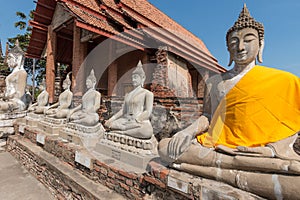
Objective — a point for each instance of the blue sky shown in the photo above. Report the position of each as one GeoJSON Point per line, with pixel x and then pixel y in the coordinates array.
{"type": "Point", "coordinates": [209, 20]}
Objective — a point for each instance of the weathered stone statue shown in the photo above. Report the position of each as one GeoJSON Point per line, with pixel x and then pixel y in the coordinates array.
{"type": "Point", "coordinates": [83, 127]}
{"type": "Point", "coordinates": [250, 123]}
{"type": "Point", "coordinates": [13, 99]}
{"type": "Point", "coordinates": [86, 113]}
{"type": "Point", "coordinates": [42, 100]}
{"type": "Point", "coordinates": [130, 138]}
{"type": "Point", "coordinates": [133, 118]}
{"type": "Point", "coordinates": [61, 109]}
{"type": "Point", "coordinates": [55, 116]}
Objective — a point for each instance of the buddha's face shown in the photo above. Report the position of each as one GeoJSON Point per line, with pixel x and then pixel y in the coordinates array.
{"type": "Point", "coordinates": [243, 46]}
{"type": "Point", "coordinates": [11, 60]}
{"type": "Point", "coordinates": [89, 83]}
{"type": "Point", "coordinates": [136, 80]}
{"type": "Point", "coordinates": [65, 85]}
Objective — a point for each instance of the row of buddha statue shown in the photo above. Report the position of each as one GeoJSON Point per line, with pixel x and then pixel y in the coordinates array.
{"type": "Point", "coordinates": [250, 123]}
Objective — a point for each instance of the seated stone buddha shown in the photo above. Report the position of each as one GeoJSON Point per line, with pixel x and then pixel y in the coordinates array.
{"type": "Point", "coordinates": [133, 118]}
{"type": "Point", "coordinates": [42, 100]}
{"type": "Point", "coordinates": [251, 121]}
{"type": "Point", "coordinates": [14, 97]}
{"type": "Point", "coordinates": [86, 113]}
{"type": "Point", "coordinates": [61, 108]}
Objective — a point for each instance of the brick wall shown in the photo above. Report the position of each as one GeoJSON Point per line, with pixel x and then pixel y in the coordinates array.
{"type": "Point", "coordinates": [151, 184]}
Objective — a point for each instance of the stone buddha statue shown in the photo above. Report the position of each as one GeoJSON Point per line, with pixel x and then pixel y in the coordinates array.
{"type": "Point", "coordinates": [86, 113]}
{"type": "Point", "coordinates": [61, 109]}
{"type": "Point", "coordinates": [13, 99]}
{"type": "Point", "coordinates": [133, 118]}
{"type": "Point", "coordinates": [250, 123]}
{"type": "Point", "coordinates": [42, 100]}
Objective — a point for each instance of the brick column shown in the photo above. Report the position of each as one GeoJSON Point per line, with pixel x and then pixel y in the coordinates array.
{"type": "Point", "coordinates": [112, 79]}
{"type": "Point", "coordinates": [50, 63]}
{"type": "Point", "coordinates": [79, 54]}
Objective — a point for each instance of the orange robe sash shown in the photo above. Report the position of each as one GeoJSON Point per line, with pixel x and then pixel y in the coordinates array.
{"type": "Point", "coordinates": [263, 107]}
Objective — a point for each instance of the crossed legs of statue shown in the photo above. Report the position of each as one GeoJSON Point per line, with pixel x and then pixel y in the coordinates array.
{"type": "Point", "coordinates": [142, 130]}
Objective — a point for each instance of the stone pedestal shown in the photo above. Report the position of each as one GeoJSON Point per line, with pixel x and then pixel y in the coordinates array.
{"type": "Point", "coordinates": [82, 135]}
{"type": "Point", "coordinates": [7, 121]}
{"type": "Point", "coordinates": [33, 119]}
{"type": "Point", "coordinates": [132, 151]}
{"type": "Point", "coordinates": [51, 125]}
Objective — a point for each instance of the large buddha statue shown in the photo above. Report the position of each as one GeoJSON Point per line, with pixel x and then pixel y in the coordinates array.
{"type": "Point", "coordinates": [42, 100]}
{"type": "Point", "coordinates": [86, 113]}
{"type": "Point", "coordinates": [14, 97]}
{"type": "Point", "coordinates": [61, 109]}
{"type": "Point", "coordinates": [133, 118]}
{"type": "Point", "coordinates": [250, 112]}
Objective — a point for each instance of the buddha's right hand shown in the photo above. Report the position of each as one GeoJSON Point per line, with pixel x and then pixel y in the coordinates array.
{"type": "Point", "coordinates": [108, 123]}
{"type": "Point", "coordinates": [178, 144]}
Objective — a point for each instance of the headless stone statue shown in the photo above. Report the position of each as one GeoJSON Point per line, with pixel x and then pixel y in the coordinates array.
{"type": "Point", "coordinates": [86, 113]}
{"type": "Point", "coordinates": [61, 109]}
{"type": "Point", "coordinates": [13, 99]}
{"type": "Point", "coordinates": [133, 118]}
{"type": "Point", "coordinates": [42, 100]}
{"type": "Point", "coordinates": [250, 123]}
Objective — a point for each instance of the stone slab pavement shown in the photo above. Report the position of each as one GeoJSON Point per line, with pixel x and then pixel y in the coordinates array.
{"type": "Point", "coordinates": [17, 183]}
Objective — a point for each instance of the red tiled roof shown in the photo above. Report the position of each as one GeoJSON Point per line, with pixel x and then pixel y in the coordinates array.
{"type": "Point", "coordinates": [150, 12]}
{"type": "Point", "coordinates": [108, 18]}
{"type": "Point", "coordinates": [91, 19]}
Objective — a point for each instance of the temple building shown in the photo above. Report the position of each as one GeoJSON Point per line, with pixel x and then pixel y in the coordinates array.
{"type": "Point", "coordinates": [124, 31]}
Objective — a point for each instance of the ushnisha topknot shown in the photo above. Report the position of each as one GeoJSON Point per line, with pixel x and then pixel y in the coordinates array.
{"type": "Point", "coordinates": [16, 50]}
{"type": "Point", "coordinates": [246, 21]}
{"type": "Point", "coordinates": [92, 76]}
{"type": "Point", "coordinates": [68, 80]}
{"type": "Point", "coordinates": [139, 69]}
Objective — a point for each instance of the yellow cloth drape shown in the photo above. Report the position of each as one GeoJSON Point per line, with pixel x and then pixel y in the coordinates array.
{"type": "Point", "coordinates": [263, 107]}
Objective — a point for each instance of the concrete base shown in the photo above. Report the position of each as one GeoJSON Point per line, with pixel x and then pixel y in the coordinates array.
{"type": "Point", "coordinates": [51, 125]}
{"type": "Point", "coordinates": [134, 159]}
{"type": "Point", "coordinates": [82, 135]}
{"type": "Point", "coordinates": [33, 119]}
{"type": "Point", "coordinates": [7, 121]}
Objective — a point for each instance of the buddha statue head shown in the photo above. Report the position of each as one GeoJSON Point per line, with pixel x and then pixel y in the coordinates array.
{"type": "Point", "coordinates": [42, 85]}
{"type": "Point", "coordinates": [67, 82]}
{"type": "Point", "coordinates": [91, 80]}
{"type": "Point", "coordinates": [246, 32]}
{"type": "Point", "coordinates": [15, 57]}
{"type": "Point", "coordinates": [138, 75]}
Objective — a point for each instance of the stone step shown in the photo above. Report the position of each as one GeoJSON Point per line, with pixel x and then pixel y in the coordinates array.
{"type": "Point", "coordinates": [58, 176]}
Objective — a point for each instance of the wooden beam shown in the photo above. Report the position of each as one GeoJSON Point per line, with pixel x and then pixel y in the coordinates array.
{"type": "Point", "coordinates": [42, 16]}
{"type": "Point", "coordinates": [38, 40]}
{"type": "Point", "coordinates": [44, 5]}
{"type": "Point", "coordinates": [64, 36]}
{"type": "Point", "coordinates": [34, 47]}
{"type": "Point", "coordinates": [38, 25]}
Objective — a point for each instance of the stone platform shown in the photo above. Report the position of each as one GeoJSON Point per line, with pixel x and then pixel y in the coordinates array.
{"type": "Point", "coordinates": [7, 121]}
{"type": "Point", "coordinates": [51, 125]}
{"type": "Point", "coordinates": [132, 151]}
{"type": "Point", "coordinates": [82, 135]}
{"type": "Point", "coordinates": [157, 182]}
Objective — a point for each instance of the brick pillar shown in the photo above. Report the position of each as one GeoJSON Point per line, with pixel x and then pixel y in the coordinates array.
{"type": "Point", "coordinates": [160, 80]}
{"type": "Point", "coordinates": [50, 63]}
{"type": "Point", "coordinates": [112, 79]}
{"type": "Point", "coordinates": [79, 54]}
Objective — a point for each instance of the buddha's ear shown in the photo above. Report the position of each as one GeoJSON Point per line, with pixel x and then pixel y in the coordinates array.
{"type": "Point", "coordinates": [260, 52]}
{"type": "Point", "coordinates": [230, 58]}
